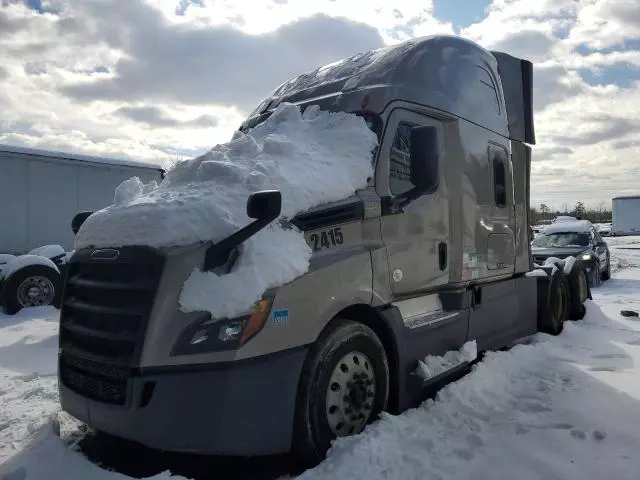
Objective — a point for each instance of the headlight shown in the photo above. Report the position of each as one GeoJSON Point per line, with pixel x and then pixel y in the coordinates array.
{"type": "Point", "coordinates": [210, 335]}
{"type": "Point", "coordinates": [586, 256]}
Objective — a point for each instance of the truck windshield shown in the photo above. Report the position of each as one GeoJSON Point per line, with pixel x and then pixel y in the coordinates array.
{"type": "Point", "coordinates": [561, 239]}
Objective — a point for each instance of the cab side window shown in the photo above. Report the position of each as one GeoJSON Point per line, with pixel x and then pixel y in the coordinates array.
{"type": "Point", "coordinates": [399, 161]}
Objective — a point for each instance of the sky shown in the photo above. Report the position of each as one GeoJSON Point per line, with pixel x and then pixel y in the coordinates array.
{"type": "Point", "coordinates": [161, 80]}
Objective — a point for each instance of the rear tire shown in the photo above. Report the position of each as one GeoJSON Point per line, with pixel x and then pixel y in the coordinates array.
{"type": "Point", "coordinates": [553, 304]}
{"type": "Point", "coordinates": [344, 386]}
{"type": "Point", "coordinates": [578, 291]}
{"type": "Point", "coordinates": [31, 286]}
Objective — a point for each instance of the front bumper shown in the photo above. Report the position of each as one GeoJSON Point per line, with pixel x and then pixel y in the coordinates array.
{"type": "Point", "coordinates": [239, 408]}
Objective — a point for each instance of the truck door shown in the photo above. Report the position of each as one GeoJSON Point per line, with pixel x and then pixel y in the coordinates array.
{"type": "Point", "coordinates": [500, 227]}
{"type": "Point", "coordinates": [416, 237]}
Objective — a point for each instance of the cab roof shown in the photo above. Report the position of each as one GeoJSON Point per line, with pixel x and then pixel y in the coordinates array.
{"type": "Point", "coordinates": [445, 72]}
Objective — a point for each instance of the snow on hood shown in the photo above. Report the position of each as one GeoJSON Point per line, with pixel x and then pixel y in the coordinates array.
{"type": "Point", "coordinates": [312, 158]}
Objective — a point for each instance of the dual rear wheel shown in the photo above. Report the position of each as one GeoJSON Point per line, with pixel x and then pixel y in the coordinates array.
{"type": "Point", "coordinates": [561, 297]}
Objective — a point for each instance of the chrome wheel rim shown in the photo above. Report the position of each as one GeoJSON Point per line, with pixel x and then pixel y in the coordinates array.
{"type": "Point", "coordinates": [35, 291]}
{"type": "Point", "coordinates": [350, 394]}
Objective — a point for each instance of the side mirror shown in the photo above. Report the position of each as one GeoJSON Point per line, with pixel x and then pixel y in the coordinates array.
{"type": "Point", "coordinates": [601, 244]}
{"type": "Point", "coordinates": [425, 157]}
{"type": "Point", "coordinates": [264, 205]}
{"type": "Point", "coordinates": [78, 220]}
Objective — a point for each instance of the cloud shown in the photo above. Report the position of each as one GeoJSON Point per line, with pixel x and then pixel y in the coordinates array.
{"type": "Point", "coordinates": [156, 79]}
{"type": "Point", "coordinates": [586, 133]}
{"type": "Point", "coordinates": [154, 116]}
{"type": "Point", "coordinates": [219, 65]}
{"type": "Point", "coordinates": [604, 23]}
{"type": "Point", "coordinates": [531, 44]}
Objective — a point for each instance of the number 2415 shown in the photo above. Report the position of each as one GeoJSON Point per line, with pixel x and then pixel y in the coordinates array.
{"type": "Point", "coordinates": [327, 239]}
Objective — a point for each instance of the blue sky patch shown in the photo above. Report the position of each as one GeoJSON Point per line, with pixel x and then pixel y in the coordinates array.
{"type": "Point", "coordinates": [182, 5]}
{"type": "Point", "coordinates": [621, 74]}
{"type": "Point", "coordinates": [460, 12]}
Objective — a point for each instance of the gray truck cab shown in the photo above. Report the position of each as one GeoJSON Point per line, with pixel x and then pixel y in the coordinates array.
{"type": "Point", "coordinates": [431, 255]}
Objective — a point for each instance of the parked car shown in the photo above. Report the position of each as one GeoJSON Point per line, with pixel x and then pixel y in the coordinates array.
{"type": "Point", "coordinates": [565, 218]}
{"type": "Point", "coordinates": [604, 230]}
{"type": "Point", "coordinates": [577, 238]}
{"type": "Point", "coordinates": [33, 279]}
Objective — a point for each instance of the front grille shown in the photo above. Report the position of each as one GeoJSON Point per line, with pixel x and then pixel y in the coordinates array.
{"type": "Point", "coordinates": [96, 380]}
{"type": "Point", "coordinates": [104, 316]}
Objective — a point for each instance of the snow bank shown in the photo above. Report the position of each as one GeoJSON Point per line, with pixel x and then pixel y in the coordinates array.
{"type": "Point", "coordinates": [28, 387]}
{"type": "Point", "coordinates": [562, 407]}
{"type": "Point", "coordinates": [312, 158]}
{"type": "Point", "coordinates": [432, 365]}
{"type": "Point", "coordinates": [47, 456]}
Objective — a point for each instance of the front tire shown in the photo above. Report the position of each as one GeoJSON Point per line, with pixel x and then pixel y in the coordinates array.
{"type": "Point", "coordinates": [606, 275]}
{"type": "Point", "coordinates": [344, 386]}
{"type": "Point", "coordinates": [594, 276]}
{"type": "Point", "coordinates": [31, 286]}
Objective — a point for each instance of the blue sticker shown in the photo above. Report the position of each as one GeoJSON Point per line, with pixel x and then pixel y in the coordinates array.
{"type": "Point", "coordinates": [280, 316]}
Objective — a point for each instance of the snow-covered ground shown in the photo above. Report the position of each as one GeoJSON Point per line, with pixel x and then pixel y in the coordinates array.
{"type": "Point", "coordinates": [565, 407]}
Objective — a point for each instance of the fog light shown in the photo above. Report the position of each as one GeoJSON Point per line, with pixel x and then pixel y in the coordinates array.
{"type": "Point", "coordinates": [199, 337]}
{"type": "Point", "coordinates": [586, 256]}
{"type": "Point", "coordinates": [231, 331]}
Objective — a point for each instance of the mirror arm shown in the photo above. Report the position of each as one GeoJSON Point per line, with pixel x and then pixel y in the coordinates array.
{"type": "Point", "coordinates": [391, 205]}
{"type": "Point", "coordinates": [218, 253]}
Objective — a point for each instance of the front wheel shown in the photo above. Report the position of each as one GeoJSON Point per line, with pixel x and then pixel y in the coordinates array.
{"type": "Point", "coordinates": [594, 276]}
{"type": "Point", "coordinates": [31, 286]}
{"type": "Point", "coordinates": [344, 386]}
{"type": "Point", "coordinates": [606, 274]}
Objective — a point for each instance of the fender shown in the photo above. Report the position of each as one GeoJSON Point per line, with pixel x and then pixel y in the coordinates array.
{"type": "Point", "coordinates": [23, 261]}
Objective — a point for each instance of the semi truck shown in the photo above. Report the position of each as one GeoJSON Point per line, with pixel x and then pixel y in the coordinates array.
{"type": "Point", "coordinates": [432, 254]}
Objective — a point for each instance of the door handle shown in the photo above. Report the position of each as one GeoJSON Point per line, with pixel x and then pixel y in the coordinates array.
{"type": "Point", "coordinates": [442, 255]}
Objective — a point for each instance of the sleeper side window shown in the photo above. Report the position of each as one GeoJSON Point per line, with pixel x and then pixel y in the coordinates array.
{"type": "Point", "coordinates": [399, 161]}
{"type": "Point", "coordinates": [499, 161]}
{"type": "Point", "coordinates": [489, 88]}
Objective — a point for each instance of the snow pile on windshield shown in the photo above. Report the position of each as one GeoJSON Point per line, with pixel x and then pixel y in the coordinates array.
{"type": "Point", "coordinates": [433, 365]}
{"type": "Point", "coordinates": [312, 158]}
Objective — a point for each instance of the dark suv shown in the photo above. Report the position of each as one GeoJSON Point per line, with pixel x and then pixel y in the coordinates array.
{"type": "Point", "coordinates": [579, 239]}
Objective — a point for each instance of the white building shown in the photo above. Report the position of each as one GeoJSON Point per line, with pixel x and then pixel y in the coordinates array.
{"type": "Point", "coordinates": [41, 191]}
{"type": "Point", "coordinates": [626, 215]}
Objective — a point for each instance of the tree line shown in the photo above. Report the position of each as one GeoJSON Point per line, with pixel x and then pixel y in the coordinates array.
{"type": "Point", "coordinates": [543, 212]}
